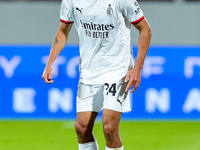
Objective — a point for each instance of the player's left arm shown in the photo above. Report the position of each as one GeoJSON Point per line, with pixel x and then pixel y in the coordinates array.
{"type": "Point", "coordinates": [133, 77]}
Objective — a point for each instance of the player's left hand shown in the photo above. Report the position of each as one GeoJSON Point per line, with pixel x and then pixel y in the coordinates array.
{"type": "Point", "coordinates": [133, 78]}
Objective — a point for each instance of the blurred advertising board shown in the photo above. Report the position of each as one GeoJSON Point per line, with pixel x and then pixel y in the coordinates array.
{"type": "Point", "coordinates": [169, 89]}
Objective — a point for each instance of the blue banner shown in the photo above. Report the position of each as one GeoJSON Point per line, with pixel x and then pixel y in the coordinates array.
{"type": "Point", "coordinates": [169, 89]}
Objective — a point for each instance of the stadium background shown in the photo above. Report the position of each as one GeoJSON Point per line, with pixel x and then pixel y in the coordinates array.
{"type": "Point", "coordinates": [166, 106]}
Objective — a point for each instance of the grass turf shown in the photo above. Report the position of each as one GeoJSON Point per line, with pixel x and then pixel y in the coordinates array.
{"type": "Point", "coordinates": [136, 135]}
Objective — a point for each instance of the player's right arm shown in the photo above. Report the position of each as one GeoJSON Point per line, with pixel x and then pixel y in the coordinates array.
{"type": "Point", "coordinates": [57, 46]}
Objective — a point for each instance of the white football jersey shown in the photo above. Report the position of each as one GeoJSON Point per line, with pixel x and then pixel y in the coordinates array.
{"type": "Point", "coordinates": [103, 27]}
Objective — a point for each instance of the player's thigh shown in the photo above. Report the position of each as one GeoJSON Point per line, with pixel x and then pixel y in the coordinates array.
{"type": "Point", "coordinates": [111, 119]}
{"type": "Point", "coordinates": [85, 120]}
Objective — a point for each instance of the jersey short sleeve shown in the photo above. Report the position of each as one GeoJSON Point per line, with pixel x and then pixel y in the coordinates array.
{"type": "Point", "coordinates": [131, 10]}
{"type": "Point", "coordinates": [65, 12]}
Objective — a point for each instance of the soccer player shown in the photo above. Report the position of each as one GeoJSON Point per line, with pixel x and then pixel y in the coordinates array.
{"type": "Point", "coordinates": [107, 69]}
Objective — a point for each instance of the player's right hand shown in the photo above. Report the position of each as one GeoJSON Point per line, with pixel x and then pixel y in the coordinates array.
{"type": "Point", "coordinates": [47, 74]}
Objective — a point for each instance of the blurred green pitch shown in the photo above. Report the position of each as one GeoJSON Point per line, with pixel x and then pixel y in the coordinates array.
{"type": "Point", "coordinates": [136, 135]}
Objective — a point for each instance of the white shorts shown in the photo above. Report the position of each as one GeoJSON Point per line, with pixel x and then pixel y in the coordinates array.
{"type": "Point", "coordinates": [103, 96]}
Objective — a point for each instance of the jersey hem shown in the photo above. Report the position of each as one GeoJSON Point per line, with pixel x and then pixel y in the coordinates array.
{"type": "Point", "coordinates": [89, 82]}
{"type": "Point", "coordinates": [137, 21]}
{"type": "Point", "coordinates": [67, 22]}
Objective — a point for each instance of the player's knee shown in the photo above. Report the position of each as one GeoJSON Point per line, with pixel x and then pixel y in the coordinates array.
{"type": "Point", "coordinates": [80, 129]}
{"type": "Point", "coordinates": [110, 130]}
{"type": "Point", "coordinates": [84, 133]}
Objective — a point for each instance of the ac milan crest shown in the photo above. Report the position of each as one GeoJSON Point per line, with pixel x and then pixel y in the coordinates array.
{"type": "Point", "coordinates": [109, 10]}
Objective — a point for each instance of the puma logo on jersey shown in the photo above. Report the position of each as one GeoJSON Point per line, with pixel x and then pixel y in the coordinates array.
{"type": "Point", "coordinates": [80, 10]}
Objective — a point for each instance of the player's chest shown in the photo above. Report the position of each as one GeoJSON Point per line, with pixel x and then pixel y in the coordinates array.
{"type": "Point", "coordinates": [94, 10]}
